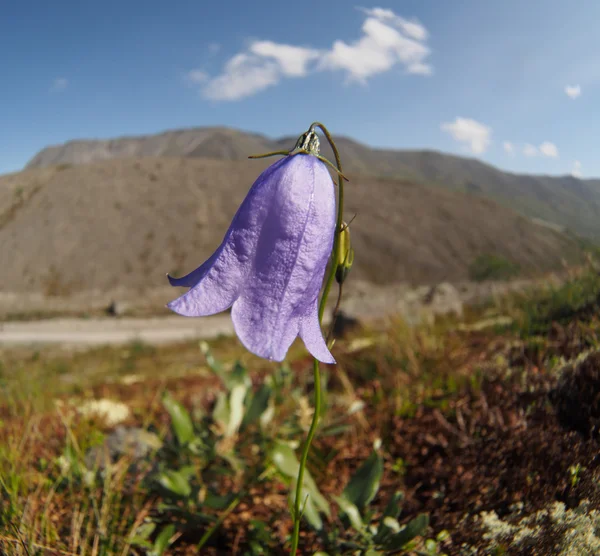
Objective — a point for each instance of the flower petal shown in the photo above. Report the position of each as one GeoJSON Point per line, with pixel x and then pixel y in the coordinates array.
{"type": "Point", "coordinates": [216, 284]}
{"type": "Point", "coordinates": [310, 332]}
{"type": "Point", "coordinates": [291, 256]}
{"type": "Point", "coordinates": [217, 289]}
{"type": "Point", "coordinates": [191, 279]}
{"type": "Point", "coordinates": [257, 338]}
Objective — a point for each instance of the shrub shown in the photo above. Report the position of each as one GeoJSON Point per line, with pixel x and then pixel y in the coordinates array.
{"type": "Point", "coordinates": [492, 267]}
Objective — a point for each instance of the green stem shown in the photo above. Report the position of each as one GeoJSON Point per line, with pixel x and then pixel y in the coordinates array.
{"type": "Point", "coordinates": [219, 521]}
{"type": "Point", "coordinates": [316, 371]}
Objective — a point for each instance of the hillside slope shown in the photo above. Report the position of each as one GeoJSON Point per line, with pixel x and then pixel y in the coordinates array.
{"type": "Point", "coordinates": [128, 222]}
{"type": "Point", "coordinates": [564, 200]}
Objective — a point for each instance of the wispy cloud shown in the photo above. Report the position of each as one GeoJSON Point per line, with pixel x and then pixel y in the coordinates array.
{"type": "Point", "coordinates": [214, 48]}
{"type": "Point", "coordinates": [59, 84]}
{"type": "Point", "coordinates": [475, 135]}
{"type": "Point", "coordinates": [509, 148]}
{"type": "Point", "coordinates": [387, 40]}
{"type": "Point", "coordinates": [576, 171]}
{"type": "Point", "coordinates": [548, 149]}
{"type": "Point", "coordinates": [530, 150]}
{"type": "Point", "coordinates": [573, 91]}
{"type": "Point", "coordinates": [197, 76]}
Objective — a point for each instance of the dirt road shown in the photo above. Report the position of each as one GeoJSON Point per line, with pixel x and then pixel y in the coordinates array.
{"type": "Point", "coordinates": [101, 331]}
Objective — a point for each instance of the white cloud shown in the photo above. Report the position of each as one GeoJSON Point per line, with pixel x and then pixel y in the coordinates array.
{"type": "Point", "coordinates": [59, 84]}
{"type": "Point", "coordinates": [411, 28]}
{"type": "Point", "coordinates": [197, 76]}
{"type": "Point", "coordinates": [292, 60]}
{"type": "Point", "coordinates": [388, 40]}
{"type": "Point", "coordinates": [548, 149]}
{"type": "Point", "coordinates": [576, 171]}
{"type": "Point", "coordinates": [509, 148]}
{"type": "Point", "coordinates": [475, 135]}
{"type": "Point", "coordinates": [262, 66]}
{"type": "Point", "coordinates": [244, 75]}
{"type": "Point", "coordinates": [573, 91]}
{"type": "Point", "coordinates": [530, 150]}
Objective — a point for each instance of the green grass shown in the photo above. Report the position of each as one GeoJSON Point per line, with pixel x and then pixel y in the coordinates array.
{"type": "Point", "coordinates": [578, 296]}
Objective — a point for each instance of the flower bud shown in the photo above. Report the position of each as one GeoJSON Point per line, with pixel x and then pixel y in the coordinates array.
{"type": "Point", "coordinates": [345, 254]}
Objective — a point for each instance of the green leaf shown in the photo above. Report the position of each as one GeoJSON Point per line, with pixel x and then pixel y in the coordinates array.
{"type": "Point", "coordinates": [394, 506]}
{"type": "Point", "coordinates": [350, 511]}
{"type": "Point", "coordinates": [364, 484]}
{"type": "Point", "coordinates": [176, 482]}
{"type": "Point", "coordinates": [220, 412]}
{"type": "Point", "coordinates": [308, 508]}
{"type": "Point", "coordinates": [334, 430]}
{"type": "Point", "coordinates": [392, 511]}
{"type": "Point", "coordinates": [145, 530]}
{"type": "Point", "coordinates": [236, 409]}
{"type": "Point", "coordinates": [141, 535]}
{"type": "Point", "coordinates": [162, 541]}
{"type": "Point", "coordinates": [214, 365]}
{"type": "Point", "coordinates": [258, 405]}
{"type": "Point", "coordinates": [238, 376]}
{"type": "Point", "coordinates": [180, 419]}
{"type": "Point", "coordinates": [286, 462]}
{"type": "Point", "coordinates": [217, 501]}
{"type": "Point", "coordinates": [415, 528]}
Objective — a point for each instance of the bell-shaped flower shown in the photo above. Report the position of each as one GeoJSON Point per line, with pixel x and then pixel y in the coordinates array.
{"type": "Point", "coordinates": [270, 266]}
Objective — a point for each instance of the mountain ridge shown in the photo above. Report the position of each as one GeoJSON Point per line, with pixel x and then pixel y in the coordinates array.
{"type": "Point", "coordinates": [564, 200]}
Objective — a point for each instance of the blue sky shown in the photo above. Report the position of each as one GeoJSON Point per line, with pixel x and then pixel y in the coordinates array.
{"type": "Point", "coordinates": [514, 83]}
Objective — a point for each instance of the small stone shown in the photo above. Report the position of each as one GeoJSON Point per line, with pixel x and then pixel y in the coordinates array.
{"type": "Point", "coordinates": [133, 442]}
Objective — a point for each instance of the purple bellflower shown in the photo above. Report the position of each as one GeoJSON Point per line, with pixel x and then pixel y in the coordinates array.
{"type": "Point", "coordinates": [270, 266]}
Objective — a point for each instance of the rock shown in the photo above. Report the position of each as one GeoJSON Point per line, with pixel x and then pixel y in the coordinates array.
{"type": "Point", "coordinates": [111, 411]}
{"type": "Point", "coordinates": [344, 324]}
{"type": "Point", "coordinates": [117, 309]}
{"type": "Point", "coordinates": [134, 442]}
{"type": "Point", "coordinates": [425, 302]}
{"type": "Point", "coordinates": [444, 298]}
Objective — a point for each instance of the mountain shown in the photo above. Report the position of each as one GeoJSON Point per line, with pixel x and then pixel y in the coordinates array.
{"type": "Point", "coordinates": [125, 222]}
{"type": "Point", "coordinates": [565, 200]}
